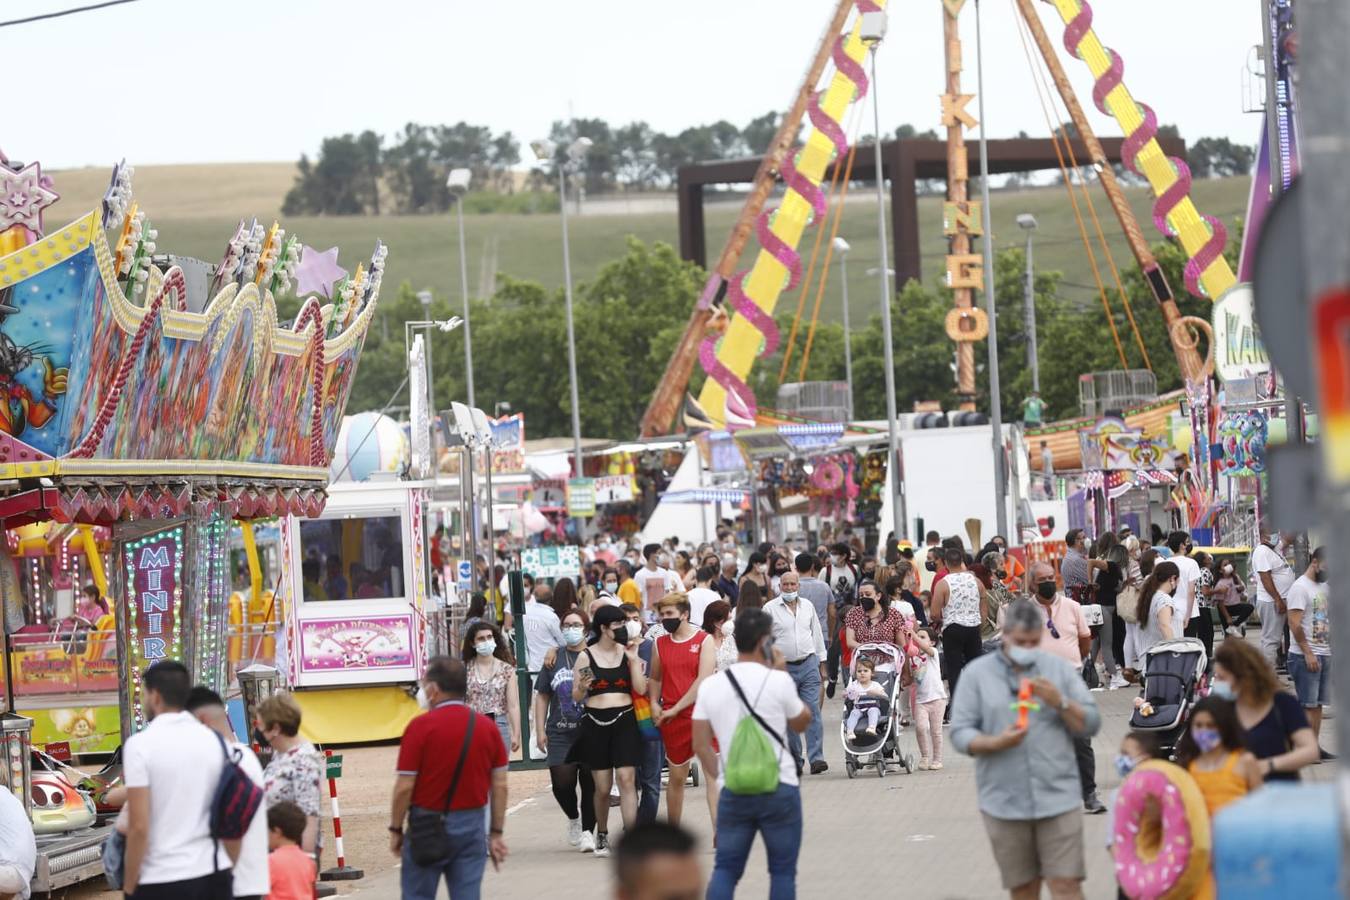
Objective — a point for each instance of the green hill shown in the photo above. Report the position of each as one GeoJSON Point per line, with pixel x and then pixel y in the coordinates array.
{"type": "Point", "coordinates": [196, 207]}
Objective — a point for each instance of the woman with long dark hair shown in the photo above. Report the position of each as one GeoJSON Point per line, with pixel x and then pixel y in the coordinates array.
{"type": "Point", "coordinates": [751, 596]}
{"type": "Point", "coordinates": [1109, 581]}
{"type": "Point", "coordinates": [757, 571]}
{"type": "Point", "coordinates": [1157, 614]}
{"type": "Point", "coordinates": [564, 597]}
{"type": "Point", "coordinates": [492, 680]}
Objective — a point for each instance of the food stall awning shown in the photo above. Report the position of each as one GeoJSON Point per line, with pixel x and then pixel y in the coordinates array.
{"type": "Point", "coordinates": [706, 495]}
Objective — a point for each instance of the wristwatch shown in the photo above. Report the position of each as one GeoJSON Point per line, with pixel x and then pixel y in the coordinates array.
{"type": "Point", "coordinates": [395, 829]}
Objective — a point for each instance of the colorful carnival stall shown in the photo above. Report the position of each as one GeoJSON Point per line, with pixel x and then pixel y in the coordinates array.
{"type": "Point", "coordinates": [150, 402]}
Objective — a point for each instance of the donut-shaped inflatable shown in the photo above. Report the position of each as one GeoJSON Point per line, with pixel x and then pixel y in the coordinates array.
{"type": "Point", "coordinates": [1161, 830]}
{"type": "Point", "coordinates": [828, 476]}
{"type": "Point", "coordinates": [967, 324]}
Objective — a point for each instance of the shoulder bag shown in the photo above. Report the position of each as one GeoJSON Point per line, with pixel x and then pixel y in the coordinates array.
{"type": "Point", "coordinates": [428, 842]}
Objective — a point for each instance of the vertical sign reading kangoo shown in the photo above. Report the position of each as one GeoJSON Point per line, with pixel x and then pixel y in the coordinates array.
{"type": "Point", "coordinates": [154, 570]}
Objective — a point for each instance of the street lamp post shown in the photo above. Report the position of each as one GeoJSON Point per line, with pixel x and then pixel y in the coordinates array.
{"type": "Point", "coordinates": [1027, 222]}
{"type": "Point", "coordinates": [458, 183]}
{"type": "Point", "coordinates": [995, 400]}
{"type": "Point", "coordinates": [841, 247]}
{"type": "Point", "coordinates": [424, 297]}
{"type": "Point", "coordinates": [576, 152]}
{"type": "Point", "coordinates": [872, 29]}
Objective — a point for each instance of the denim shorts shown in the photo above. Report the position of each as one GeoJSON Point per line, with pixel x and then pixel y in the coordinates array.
{"type": "Point", "coordinates": [1313, 688]}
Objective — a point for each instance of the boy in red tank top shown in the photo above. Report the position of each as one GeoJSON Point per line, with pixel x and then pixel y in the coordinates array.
{"type": "Point", "coordinates": [684, 657]}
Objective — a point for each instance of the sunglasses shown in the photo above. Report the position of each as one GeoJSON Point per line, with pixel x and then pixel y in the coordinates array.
{"type": "Point", "coordinates": [1054, 632]}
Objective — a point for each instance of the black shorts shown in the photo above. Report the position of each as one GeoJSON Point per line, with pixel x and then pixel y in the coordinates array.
{"type": "Point", "coordinates": [607, 739]}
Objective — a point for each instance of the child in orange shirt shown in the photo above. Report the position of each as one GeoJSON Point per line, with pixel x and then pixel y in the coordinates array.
{"type": "Point", "coordinates": [291, 869]}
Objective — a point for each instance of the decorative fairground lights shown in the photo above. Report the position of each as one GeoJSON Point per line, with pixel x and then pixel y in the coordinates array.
{"type": "Point", "coordinates": [153, 567]}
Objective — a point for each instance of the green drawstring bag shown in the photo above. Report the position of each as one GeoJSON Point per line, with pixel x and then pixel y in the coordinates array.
{"type": "Point", "coordinates": [752, 761]}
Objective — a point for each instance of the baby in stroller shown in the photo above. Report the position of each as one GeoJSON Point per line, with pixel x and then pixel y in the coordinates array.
{"type": "Point", "coordinates": [869, 699]}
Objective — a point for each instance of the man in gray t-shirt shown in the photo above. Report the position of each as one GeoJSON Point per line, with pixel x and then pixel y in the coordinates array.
{"type": "Point", "coordinates": [815, 591]}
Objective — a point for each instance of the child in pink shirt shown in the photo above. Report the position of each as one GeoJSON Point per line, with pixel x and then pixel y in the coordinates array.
{"type": "Point", "coordinates": [291, 869]}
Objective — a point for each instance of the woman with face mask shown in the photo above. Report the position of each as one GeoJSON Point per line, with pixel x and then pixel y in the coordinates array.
{"type": "Point", "coordinates": [607, 675]}
{"type": "Point", "coordinates": [1230, 596]}
{"type": "Point", "coordinates": [1158, 619]}
{"type": "Point", "coordinates": [757, 570]}
{"type": "Point", "coordinates": [557, 718]}
{"type": "Point", "coordinates": [1275, 726]}
{"type": "Point", "coordinates": [492, 680]}
{"type": "Point", "coordinates": [875, 621]}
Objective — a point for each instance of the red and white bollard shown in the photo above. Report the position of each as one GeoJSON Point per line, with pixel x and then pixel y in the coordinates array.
{"type": "Point", "coordinates": [342, 872]}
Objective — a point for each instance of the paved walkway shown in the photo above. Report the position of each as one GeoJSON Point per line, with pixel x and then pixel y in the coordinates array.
{"type": "Point", "coordinates": [916, 835]}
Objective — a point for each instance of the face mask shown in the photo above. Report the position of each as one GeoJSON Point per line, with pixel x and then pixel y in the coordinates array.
{"type": "Point", "coordinates": [790, 596]}
{"type": "Point", "coordinates": [729, 628]}
{"type": "Point", "coordinates": [930, 566]}
{"type": "Point", "coordinates": [868, 573]}
{"type": "Point", "coordinates": [1223, 690]}
{"type": "Point", "coordinates": [671, 625]}
{"type": "Point", "coordinates": [572, 634]}
{"type": "Point", "coordinates": [611, 586]}
{"type": "Point", "coordinates": [761, 568]}
{"type": "Point", "coordinates": [1124, 764]}
{"type": "Point", "coordinates": [629, 632]}
{"type": "Point", "coordinates": [485, 648]}
{"type": "Point", "coordinates": [1228, 570]}
{"type": "Point", "coordinates": [1206, 739]}
{"type": "Point", "coordinates": [261, 739]}
{"type": "Point", "coordinates": [1046, 590]}
{"type": "Point", "coordinates": [1022, 657]}
{"type": "Point", "coordinates": [868, 603]}
{"type": "Point", "coordinates": [766, 650]}
{"type": "Point", "coordinates": [1320, 577]}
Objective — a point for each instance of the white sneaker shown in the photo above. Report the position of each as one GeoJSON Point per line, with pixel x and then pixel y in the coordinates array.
{"type": "Point", "coordinates": [601, 845]}
{"type": "Point", "coordinates": [1233, 631]}
{"type": "Point", "coordinates": [1118, 681]}
{"type": "Point", "coordinates": [923, 765]}
{"type": "Point", "coordinates": [586, 843]}
{"type": "Point", "coordinates": [574, 832]}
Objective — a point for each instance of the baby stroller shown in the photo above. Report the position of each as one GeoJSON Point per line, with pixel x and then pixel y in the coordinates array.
{"type": "Point", "coordinates": [882, 750]}
{"type": "Point", "coordinates": [1174, 672]}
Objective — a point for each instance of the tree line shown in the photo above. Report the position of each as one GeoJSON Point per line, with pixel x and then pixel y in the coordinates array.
{"type": "Point", "coordinates": [629, 320]}
{"type": "Point", "coordinates": [369, 174]}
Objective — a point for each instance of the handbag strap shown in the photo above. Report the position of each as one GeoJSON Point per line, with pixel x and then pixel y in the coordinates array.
{"type": "Point", "coordinates": [463, 755]}
{"type": "Point", "coordinates": [762, 724]}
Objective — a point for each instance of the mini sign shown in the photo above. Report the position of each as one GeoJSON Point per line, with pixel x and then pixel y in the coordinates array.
{"type": "Point", "coordinates": [1238, 350]}
{"type": "Point", "coordinates": [334, 766]}
{"type": "Point", "coordinates": [154, 579]}
{"type": "Point", "coordinates": [581, 497]}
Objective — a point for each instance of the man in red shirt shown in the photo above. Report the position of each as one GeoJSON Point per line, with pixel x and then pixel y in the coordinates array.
{"type": "Point", "coordinates": [440, 774]}
{"type": "Point", "coordinates": [683, 658]}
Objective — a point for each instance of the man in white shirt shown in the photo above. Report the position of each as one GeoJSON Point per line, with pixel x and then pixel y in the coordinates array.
{"type": "Point", "coordinates": [1274, 578]}
{"type": "Point", "coordinates": [543, 631]}
{"type": "Point", "coordinates": [1187, 602]}
{"type": "Point", "coordinates": [1310, 641]}
{"type": "Point", "coordinates": [251, 881]}
{"type": "Point", "coordinates": [18, 847]}
{"type": "Point", "coordinates": [654, 582]}
{"type": "Point", "coordinates": [702, 594]}
{"type": "Point", "coordinates": [797, 635]}
{"type": "Point", "coordinates": [774, 701]}
{"type": "Point", "coordinates": [172, 767]}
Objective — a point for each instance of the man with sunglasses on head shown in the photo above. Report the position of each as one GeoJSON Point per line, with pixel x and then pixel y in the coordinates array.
{"type": "Point", "coordinates": [1067, 636]}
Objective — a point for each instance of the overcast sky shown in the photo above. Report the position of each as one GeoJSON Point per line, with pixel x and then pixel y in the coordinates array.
{"type": "Point", "coordinates": [167, 81]}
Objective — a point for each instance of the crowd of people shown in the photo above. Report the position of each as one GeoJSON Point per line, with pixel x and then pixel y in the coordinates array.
{"type": "Point", "coordinates": [658, 656]}
{"type": "Point", "coordinates": [640, 672]}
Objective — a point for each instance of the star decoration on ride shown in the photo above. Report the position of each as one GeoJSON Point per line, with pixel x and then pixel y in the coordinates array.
{"type": "Point", "coordinates": [317, 272]}
{"type": "Point", "coordinates": [24, 194]}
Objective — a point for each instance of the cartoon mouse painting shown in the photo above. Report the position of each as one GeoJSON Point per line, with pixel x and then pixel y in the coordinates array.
{"type": "Point", "coordinates": [18, 408]}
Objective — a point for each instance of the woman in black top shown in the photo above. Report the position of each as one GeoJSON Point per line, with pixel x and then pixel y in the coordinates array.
{"type": "Point", "coordinates": [1277, 730]}
{"type": "Point", "coordinates": [608, 674]}
{"type": "Point", "coordinates": [1109, 640]}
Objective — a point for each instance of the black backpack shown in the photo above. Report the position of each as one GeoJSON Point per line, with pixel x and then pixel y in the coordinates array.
{"type": "Point", "coordinates": [844, 592]}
